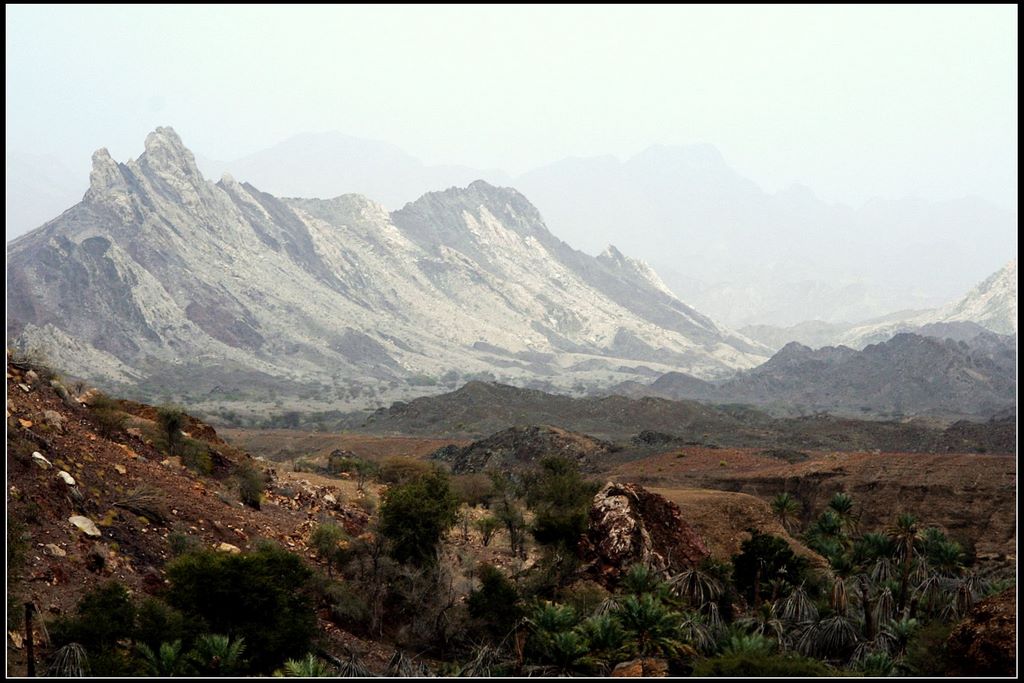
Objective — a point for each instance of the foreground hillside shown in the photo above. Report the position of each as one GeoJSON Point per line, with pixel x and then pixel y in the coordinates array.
{"type": "Point", "coordinates": [145, 545]}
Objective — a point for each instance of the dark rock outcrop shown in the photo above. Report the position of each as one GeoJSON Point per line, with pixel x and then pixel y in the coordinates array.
{"type": "Point", "coordinates": [631, 525]}
{"type": "Point", "coordinates": [520, 447]}
{"type": "Point", "coordinates": [985, 642]}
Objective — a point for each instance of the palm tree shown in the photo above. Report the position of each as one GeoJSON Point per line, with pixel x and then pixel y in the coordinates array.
{"type": "Point", "coordinates": [798, 608]}
{"type": "Point", "coordinates": [167, 661]}
{"type": "Point", "coordinates": [885, 608]}
{"type": "Point", "coordinates": [307, 667]}
{"type": "Point", "coordinates": [763, 621]}
{"type": "Point", "coordinates": [904, 534]}
{"type": "Point", "coordinates": [604, 633]}
{"type": "Point", "coordinates": [787, 509]}
{"type": "Point", "coordinates": [695, 585]}
{"type": "Point", "coordinates": [568, 653]}
{"type": "Point", "coordinates": [749, 644]}
{"type": "Point", "coordinates": [651, 628]}
{"type": "Point", "coordinates": [842, 505]}
{"type": "Point", "coordinates": [70, 661]}
{"type": "Point", "coordinates": [694, 630]}
{"type": "Point", "coordinates": [640, 579]}
{"type": "Point", "coordinates": [217, 655]}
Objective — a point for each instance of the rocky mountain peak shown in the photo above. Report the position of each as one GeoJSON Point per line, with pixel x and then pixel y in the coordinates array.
{"type": "Point", "coordinates": [166, 153]}
{"type": "Point", "coordinates": [105, 173]}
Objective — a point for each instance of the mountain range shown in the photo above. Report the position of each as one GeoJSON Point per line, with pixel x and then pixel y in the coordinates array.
{"type": "Point", "coordinates": [174, 287]}
{"type": "Point", "coordinates": [732, 250]}
{"type": "Point", "coordinates": [909, 374]}
{"type": "Point", "coordinates": [991, 305]}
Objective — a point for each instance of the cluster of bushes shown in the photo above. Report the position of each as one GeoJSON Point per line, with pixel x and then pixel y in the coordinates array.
{"type": "Point", "coordinates": [221, 614]}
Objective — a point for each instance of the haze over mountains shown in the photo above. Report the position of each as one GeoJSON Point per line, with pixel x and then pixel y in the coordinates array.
{"type": "Point", "coordinates": [175, 286]}
{"type": "Point", "coordinates": [991, 305]}
{"type": "Point", "coordinates": [731, 250]}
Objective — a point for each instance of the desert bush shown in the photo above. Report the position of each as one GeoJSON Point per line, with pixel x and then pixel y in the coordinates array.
{"type": "Point", "coordinates": [746, 665]}
{"type": "Point", "coordinates": [560, 498]}
{"type": "Point", "coordinates": [195, 455]}
{"type": "Point", "coordinates": [495, 603]}
{"type": "Point", "coordinates": [251, 483]}
{"type": "Point", "coordinates": [401, 469]}
{"type": "Point", "coordinates": [763, 559]}
{"type": "Point", "coordinates": [472, 489]}
{"type": "Point", "coordinates": [107, 415]}
{"type": "Point", "coordinates": [103, 617]}
{"type": "Point", "coordinates": [170, 420]}
{"type": "Point", "coordinates": [262, 596]}
{"type": "Point", "coordinates": [415, 515]}
{"type": "Point", "coordinates": [487, 526]}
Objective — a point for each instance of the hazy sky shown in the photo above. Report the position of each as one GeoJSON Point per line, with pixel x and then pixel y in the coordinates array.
{"type": "Point", "coordinates": [851, 101]}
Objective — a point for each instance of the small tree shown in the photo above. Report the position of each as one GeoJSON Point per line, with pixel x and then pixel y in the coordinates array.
{"type": "Point", "coordinates": [487, 526]}
{"type": "Point", "coordinates": [170, 420]}
{"type": "Point", "coordinates": [414, 516]}
{"type": "Point", "coordinates": [764, 558]}
{"type": "Point", "coordinates": [250, 485]}
{"type": "Point", "coordinates": [326, 540]}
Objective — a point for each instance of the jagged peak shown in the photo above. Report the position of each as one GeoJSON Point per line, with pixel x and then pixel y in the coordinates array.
{"type": "Point", "coordinates": [167, 153]}
{"type": "Point", "coordinates": [611, 252]}
{"type": "Point", "coordinates": [105, 174]}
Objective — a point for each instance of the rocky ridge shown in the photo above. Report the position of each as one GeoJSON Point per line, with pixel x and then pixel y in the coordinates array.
{"type": "Point", "coordinates": [162, 281]}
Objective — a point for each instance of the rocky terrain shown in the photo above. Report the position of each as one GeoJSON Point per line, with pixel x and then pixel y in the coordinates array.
{"type": "Point", "coordinates": [86, 506]}
{"type": "Point", "coordinates": [520, 447]}
{"type": "Point", "coordinates": [970, 496]}
{"type": "Point", "coordinates": [630, 525]}
{"type": "Point", "coordinates": [479, 409]}
{"type": "Point", "coordinates": [984, 644]}
{"type": "Point", "coordinates": [174, 287]}
{"type": "Point", "coordinates": [909, 374]}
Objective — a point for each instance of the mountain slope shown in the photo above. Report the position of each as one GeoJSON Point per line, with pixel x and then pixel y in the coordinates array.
{"type": "Point", "coordinates": [177, 287]}
{"type": "Point", "coordinates": [907, 375]}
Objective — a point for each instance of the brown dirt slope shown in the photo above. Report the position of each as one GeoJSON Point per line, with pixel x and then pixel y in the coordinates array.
{"type": "Point", "coordinates": [722, 518]}
{"type": "Point", "coordinates": [970, 496]}
{"type": "Point", "coordinates": [136, 497]}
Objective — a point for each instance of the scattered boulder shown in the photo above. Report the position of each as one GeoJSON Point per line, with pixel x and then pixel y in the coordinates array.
{"type": "Point", "coordinates": [228, 548]}
{"type": "Point", "coordinates": [41, 460]}
{"type": "Point", "coordinates": [55, 550]}
{"type": "Point", "coordinates": [631, 525]}
{"type": "Point", "coordinates": [66, 478]}
{"type": "Point", "coordinates": [54, 419]}
{"type": "Point", "coordinates": [985, 642]}
{"type": "Point", "coordinates": [645, 666]}
{"type": "Point", "coordinates": [31, 377]}
{"type": "Point", "coordinates": [86, 525]}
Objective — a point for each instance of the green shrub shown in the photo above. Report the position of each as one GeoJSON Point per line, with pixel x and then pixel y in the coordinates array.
{"type": "Point", "coordinates": [763, 559]}
{"type": "Point", "coordinates": [195, 455]}
{"type": "Point", "coordinates": [560, 498]}
{"type": "Point", "coordinates": [495, 603]}
{"type": "Point", "coordinates": [170, 420]}
{"type": "Point", "coordinates": [401, 469]}
{"type": "Point", "coordinates": [107, 414]}
{"type": "Point", "coordinates": [751, 665]}
{"type": "Point", "coordinates": [104, 616]}
{"type": "Point", "coordinates": [472, 489]}
{"type": "Point", "coordinates": [415, 515]}
{"type": "Point", "coordinates": [262, 596]}
{"type": "Point", "coordinates": [251, 483]}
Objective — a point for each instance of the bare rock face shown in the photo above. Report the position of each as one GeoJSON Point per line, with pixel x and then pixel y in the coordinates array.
{"type": "Point", "coordinates": [984, 643]}
{"type": "Point", "coordinates": [631, 525]}
{"type": "Point", "coordinates": [641, 668]}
